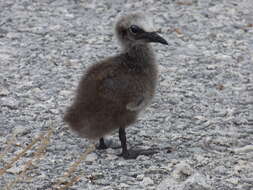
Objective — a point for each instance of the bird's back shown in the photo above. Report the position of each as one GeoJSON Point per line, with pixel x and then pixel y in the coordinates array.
{"type": "Point", "coordinates": [104, 92]}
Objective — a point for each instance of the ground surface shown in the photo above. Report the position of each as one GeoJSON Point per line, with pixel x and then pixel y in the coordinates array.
{"type": "Point", "coordinates": [203, 109]}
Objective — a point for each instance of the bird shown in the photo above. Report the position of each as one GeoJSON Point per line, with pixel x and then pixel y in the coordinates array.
{"type": "Point", "coordinates": [113, 91]}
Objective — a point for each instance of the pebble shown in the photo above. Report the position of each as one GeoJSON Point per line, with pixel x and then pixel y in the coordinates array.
{"type": "Point", "coordinates": [123, 185]}
{"type": "Point", "coordinates": [16, 169]}
{"type": "Point", "coordinates": [65, 93]}
{"type": "Point", "coordinates": [111, 157]}
{"type": "Point", "coordinates": [140, 177]}
{"type": "Point", "coordinates": [244, 149]}
{"type": "Point", "coordinates": [4, 91]}
{"type": "Point", "coordinates": [147, 181]}
{"type": "Point", "coordinates": [182, 171]}
{"type": "Point", "coordinates": [233, 180]}
{"type": "Point", "coordinates": [20, 129]}
{"type": "Point", "coordinates": [9, 102]}
{"type": "Point", "coordinates": [91, 157]}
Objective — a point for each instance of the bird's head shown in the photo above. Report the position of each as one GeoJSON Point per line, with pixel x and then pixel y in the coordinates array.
{"type": "Point", "coordinates": [136, 28]}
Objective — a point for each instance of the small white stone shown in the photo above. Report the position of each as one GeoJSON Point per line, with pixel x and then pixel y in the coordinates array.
{"type": "Point", "coordinates": [9, 102]}
{"type": "Point", "coordinates": [110, 151]}
{"type": "Point", "coordinates": [91, 157]}
{"type": "Point", "coordinates": [65, 93]}
{"type": "Point", "coordinates": [147, 181]}
{"type": "Point", "coordinates": [222, 57]}
{"type": "Point", "coordinates": [122, 162]}
{"type": "Point", "coordinates": [91, 40]}
{"type": "Point", "coordinates": [13, 35]}
{"type": "Point", "coordinates": [182, 169]}
{"type": "Point", "coordinates": [16, 169]}
{"type": "Point", "coordinates": [4, 92]}
{"type": "Point", "coordinates": [107, 188]}
{"type": "Point", "coordinates": [123, 185]}
{"type": "Point", "coordinates": [142, 158]}
{"type": "Point", "coordinates": [211, 67]}
{"type": "Point", "coordinates": [111, 157]}
{"type": "Point", "coordinates": [247, 148]}
{"type": "Point", "coordinates": [55, 27]}
{"type": "Point", "coordinates": [233, 180]}
{"type": "Point", "coordinates": [54, 111]}
{"type": "Point", "coordinates": [170, 166]}
{"type": "Point", "coordinates": [19, 129]}
{"type": "Point", "coordinates": [174, 161]}
{"type": "Point", "coordinates": [140, 177]}
{"type": "Point", "coordinates": [199, 117]}
{"type": "Point", "coordinates": [70, 15]}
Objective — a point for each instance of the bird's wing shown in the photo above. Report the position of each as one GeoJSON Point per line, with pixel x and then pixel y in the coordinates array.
{"type": "Point", "coordinates": [114, 83]}
{"type": "Point", "coordinates": [136, 105]}
{"type": "Point", "coordinates": [115, 87]}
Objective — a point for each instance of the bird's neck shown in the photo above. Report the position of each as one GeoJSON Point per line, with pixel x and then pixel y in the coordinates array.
{"type": "Point", "coordinates": [141, 54]}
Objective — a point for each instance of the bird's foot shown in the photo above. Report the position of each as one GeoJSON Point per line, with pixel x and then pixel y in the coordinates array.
{"type": "Point", "coordinates": [133, 154]}
{"type": "Point", "coordinates": [101, 144]}
{"type": "Point", "coordinates": [107, 143]}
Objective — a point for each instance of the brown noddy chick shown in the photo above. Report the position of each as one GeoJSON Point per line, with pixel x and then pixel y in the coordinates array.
{"type": "Point", "coordinates": [113, 91]}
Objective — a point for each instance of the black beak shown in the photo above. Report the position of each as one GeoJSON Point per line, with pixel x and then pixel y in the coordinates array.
{"type": "Point", "coordinates": [153, 37]}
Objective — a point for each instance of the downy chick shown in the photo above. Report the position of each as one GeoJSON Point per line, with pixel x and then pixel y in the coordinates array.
{"type": "Point", "coordinates": [114, 91]}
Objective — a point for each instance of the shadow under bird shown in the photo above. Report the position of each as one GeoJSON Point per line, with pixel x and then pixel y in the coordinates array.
{"type": "Point", "coordinates": [114, 91]}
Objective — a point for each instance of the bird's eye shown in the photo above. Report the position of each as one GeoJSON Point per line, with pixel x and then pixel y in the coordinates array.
{"type": "Point", "coordinates": [134, 29]}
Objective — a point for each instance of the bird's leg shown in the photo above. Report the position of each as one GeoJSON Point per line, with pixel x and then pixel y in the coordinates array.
{"type": "Point", "coordinates": [122, 138]}
{"type": "Point", "coordinates": [102, 144]}
{"type": "Point", "coordinates": [131, 154]}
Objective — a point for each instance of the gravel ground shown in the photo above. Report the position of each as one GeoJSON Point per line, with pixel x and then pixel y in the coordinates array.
{"type": "Point", "coordinates": [201, 117]}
